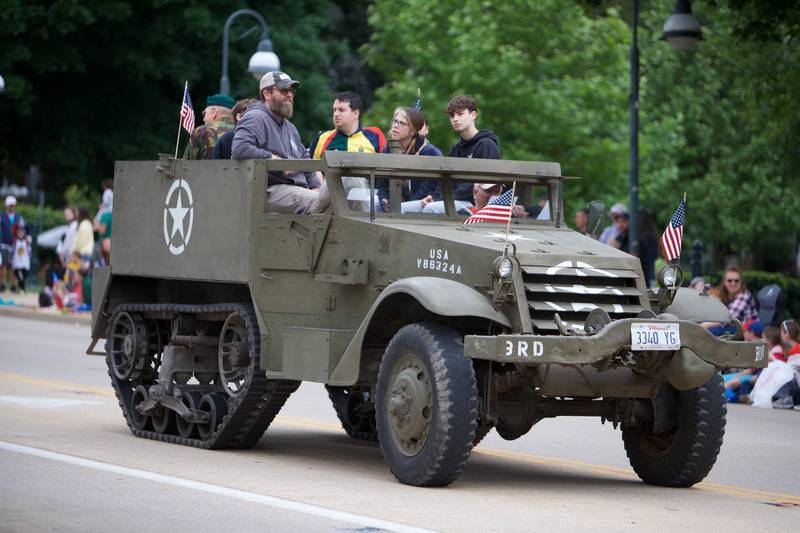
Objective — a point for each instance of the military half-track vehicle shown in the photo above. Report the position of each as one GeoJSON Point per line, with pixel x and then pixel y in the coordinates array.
{"type": "Point", "coordinates": [428, 333]}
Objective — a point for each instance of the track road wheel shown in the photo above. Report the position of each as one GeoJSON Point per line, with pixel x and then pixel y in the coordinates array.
{"type": "Point", "coordinates": [426, 405]}
{"type": "Point", "coordinates": [192, 400]}
{"type": "Point", "coordinates": [128, 345]}
{"type": "Point", "coordinates": [213, 404]}
{"type": "Point", "coordinates": [235, 368]}
{"type": "Point", "coordinates": [163, 420]}
{"type": "Point", "coordinates": [140, 395]}
{"type": "Point", "coordinates": [683, 455]}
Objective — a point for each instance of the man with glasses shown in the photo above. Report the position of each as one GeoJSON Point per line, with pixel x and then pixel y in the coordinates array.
{"type": "Point", "coordinates": [265, 132]}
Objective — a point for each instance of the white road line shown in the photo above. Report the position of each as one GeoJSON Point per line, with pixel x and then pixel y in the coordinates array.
{"type": "Point", "coordinates": [44, 403]}
{"type": "Point", "coordinates": [262, 499]}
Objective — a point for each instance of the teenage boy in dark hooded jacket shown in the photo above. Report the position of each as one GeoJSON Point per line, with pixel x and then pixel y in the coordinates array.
{"type": "Point", "coordinates": [474, 143]}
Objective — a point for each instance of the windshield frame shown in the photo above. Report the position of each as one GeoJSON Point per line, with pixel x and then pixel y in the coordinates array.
{"type": "Point", "coordinates": [448, 171]}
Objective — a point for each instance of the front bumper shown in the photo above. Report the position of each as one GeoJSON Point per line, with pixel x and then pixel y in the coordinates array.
{"type": "Point", "coordinates": [616, 336]}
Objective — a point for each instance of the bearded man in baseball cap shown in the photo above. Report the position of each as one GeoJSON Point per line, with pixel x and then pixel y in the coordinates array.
{"type": "Point", "coordinates": [265, 132]}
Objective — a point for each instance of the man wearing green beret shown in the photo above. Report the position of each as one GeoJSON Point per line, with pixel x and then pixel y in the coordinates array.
{"type": "Point", "coordinates": [217, 120]}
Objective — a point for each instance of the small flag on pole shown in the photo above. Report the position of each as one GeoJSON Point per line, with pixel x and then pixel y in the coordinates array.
{"type": "Point", "coordinates": [497, 210]}
{"type": "Point", "coordinates": [187, 112]}
{"type": "Point", "coordinates": [673, 234]}
{"type": "Point", "coordinates": [418, 103]}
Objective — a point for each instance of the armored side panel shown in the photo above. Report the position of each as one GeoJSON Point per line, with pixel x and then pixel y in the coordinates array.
{"type": "Point", "coordinates": [189, 221]}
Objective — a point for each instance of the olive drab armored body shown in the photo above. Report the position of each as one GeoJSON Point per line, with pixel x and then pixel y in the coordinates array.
{"type": "Point", "coordinates": [427, 332]}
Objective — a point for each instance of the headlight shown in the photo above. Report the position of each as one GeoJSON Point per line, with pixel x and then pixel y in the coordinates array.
{"type": "Point", "coordinates": [503, 267]}
{"type": "Point", "coordinates": [670, 276]}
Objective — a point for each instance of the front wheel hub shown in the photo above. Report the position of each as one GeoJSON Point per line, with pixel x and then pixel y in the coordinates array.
{"type": "Point", "coordinates": [410, 407]}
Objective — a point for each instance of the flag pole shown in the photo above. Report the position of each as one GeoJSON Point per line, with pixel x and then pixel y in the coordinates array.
{"type": "Point", "coordinates": [178, 140]}
{"type": "Point", "coordinates": [510, 208]}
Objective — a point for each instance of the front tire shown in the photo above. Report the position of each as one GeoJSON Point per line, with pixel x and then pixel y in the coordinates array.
{"type": "Point", "coordinates": [426, 405]}
{"type": "Point", "coordinates": [684, 455]}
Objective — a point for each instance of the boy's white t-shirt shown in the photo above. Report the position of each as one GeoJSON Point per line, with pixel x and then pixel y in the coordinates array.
{"type": "Point", "coordinates": [21, 260]}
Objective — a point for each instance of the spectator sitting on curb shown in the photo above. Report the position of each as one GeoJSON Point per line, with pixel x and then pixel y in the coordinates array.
{"type": "Point", "coordinates": [772, 335]}
{"type": "Point", "coordinates": [735, 295]}
{"type": "Point", "coordinates": [790, 334]}
{"type": "Point", "coordinates": [741, 304]}
{"type": "Point", "coordinates": [740, 383]}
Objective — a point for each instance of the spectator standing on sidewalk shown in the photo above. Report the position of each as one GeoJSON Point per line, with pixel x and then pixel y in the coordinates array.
{"type": "Point", "coordinates": [84, 236]}
{"type": "Point", "coordinates": [65, 245]}
{"type": "Point", "coordinates": [9, 220]}
{"type": "Point", "coordinates": [618, 211]}
{"type": "Point", "coordinates": [21, 262]}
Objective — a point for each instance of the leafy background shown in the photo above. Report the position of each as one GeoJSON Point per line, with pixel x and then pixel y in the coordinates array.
{"type": "Point", "coordinates": [88, 83]}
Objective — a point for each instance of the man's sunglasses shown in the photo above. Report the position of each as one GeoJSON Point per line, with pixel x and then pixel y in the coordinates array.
{"type": "Point", "coordinates": [286, 91]}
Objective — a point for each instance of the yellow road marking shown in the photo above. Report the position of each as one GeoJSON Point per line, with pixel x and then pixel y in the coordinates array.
{"type": "Point", "coordinates": [732, 490]}
{"type": "Point", "coordinates": [58, 385]}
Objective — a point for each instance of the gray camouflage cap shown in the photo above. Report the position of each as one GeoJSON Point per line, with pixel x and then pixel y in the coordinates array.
{"type": "Point", "coordinates": [278, 79]}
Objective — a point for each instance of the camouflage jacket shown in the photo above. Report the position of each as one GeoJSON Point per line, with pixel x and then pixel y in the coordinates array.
{"type": "Point", "coordinates": [204, 139]}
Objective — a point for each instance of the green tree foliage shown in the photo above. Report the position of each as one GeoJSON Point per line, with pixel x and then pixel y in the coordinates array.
{"type": "Point", "coordinates": [552, 79]}
{"type": "Point", "coordinates": [720, 122]}
{"type": "Point", "coordinates": [88, 83]}
{"type": "Point", "coordinates": [549, 80]}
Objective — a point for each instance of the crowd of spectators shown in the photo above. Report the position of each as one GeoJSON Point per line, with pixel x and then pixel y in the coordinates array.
{"type": "Point", "coordinates": [86, 244]}
{"type": "Point", "coordinates": [778, 385]}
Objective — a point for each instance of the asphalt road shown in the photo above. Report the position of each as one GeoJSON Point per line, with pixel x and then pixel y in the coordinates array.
{"type": "Point", "coordinates": [69, 463]}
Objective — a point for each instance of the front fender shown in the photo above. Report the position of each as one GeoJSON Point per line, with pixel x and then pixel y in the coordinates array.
{"type": "Point", "coordinates": [443, 297]}
{"type": "Point", "coordinates": [695, 306]}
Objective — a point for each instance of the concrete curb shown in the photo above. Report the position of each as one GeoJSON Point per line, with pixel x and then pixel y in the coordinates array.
{"type": "Point", "coordinates": [29, 313]}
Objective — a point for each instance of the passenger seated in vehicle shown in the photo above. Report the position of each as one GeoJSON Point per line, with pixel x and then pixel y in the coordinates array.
{"type": "Point", "coordinates": [483, 193]}
{"type": "Point", "coordinates": [265, 132]}
{"type": "Point", "coordinates": [407, 124]}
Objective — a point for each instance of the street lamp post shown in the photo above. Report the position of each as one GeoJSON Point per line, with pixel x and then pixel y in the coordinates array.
{"type": "Point", "coordinates": [633, 228]}
{"type": "Point", "coordinates": [263, 61]}
{"type": "Point", "coordinates": [682, 31]}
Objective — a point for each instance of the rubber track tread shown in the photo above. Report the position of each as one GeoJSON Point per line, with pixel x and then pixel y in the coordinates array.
{"type": "Point", "coordinates": [369, 436]}
{"type": "Point", "coordinates": [248, 415]}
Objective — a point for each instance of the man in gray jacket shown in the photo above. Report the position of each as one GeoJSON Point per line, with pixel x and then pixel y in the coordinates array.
{"type": "Point", "coordinates": [264, 132]}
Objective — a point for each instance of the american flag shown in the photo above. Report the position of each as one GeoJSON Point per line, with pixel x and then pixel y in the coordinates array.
{"type": "Point", "coordinates": [418, 103]}
{"type": "Point", "coordinates": [673, 235]}
{"type": "Point", "coordinates": [187, 112]}
{"type": "Point", "coordinates": [497, 210]}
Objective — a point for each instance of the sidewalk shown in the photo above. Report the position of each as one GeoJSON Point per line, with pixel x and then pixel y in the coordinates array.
{"type": "Point", "coordinates": [27, 306]}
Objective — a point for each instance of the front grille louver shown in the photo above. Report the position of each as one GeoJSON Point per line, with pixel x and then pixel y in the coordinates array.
{"type": "Point", "coordinates": [574, 291]}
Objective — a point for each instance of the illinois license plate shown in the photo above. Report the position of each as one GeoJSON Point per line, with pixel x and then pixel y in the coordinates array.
{"type": "Point", "coordinates": [652, 336]}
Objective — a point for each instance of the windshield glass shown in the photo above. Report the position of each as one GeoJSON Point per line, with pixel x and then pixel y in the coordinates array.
{"type": "Point", "coordinates": [426, 197]}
